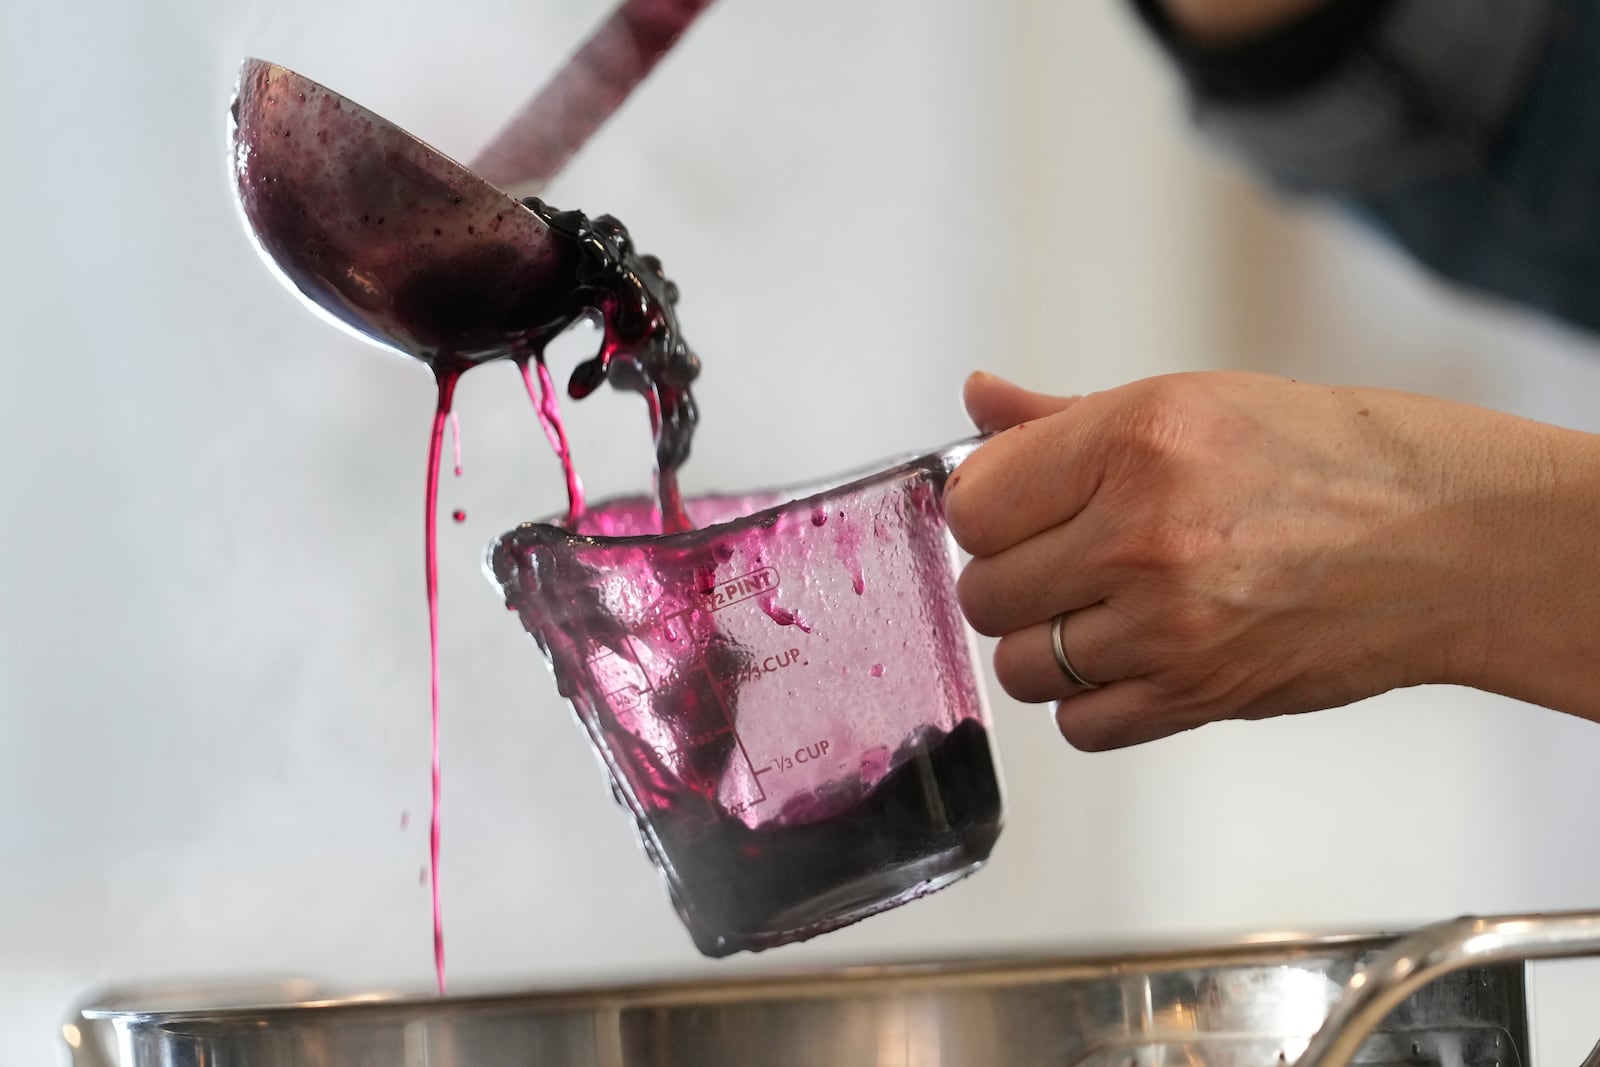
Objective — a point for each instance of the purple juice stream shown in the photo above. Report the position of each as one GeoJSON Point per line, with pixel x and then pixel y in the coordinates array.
{"type": "Point", "coordinates": [542, 393]}
{"type": "Point", "coordinates": [402, 245]}
{"type": "Point", "coordinates": [641, 351]}
{"type": "Point", "coordinates": [447, 378]}
{"type": "Point", "coordinates": [455, 439]}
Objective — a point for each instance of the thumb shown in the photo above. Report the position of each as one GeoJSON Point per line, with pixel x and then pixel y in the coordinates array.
{"type": "Point", "coordinates": [995, 404]}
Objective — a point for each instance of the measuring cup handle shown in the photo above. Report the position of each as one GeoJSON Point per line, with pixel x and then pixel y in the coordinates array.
{"type": "Point", "coordinates": [1414, 961]}
{"type": "Point", "coordinates": [953, 455]}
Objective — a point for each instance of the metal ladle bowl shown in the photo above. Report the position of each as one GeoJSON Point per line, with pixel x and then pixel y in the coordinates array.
{"type": "Point", "coordinates": [380, 232]}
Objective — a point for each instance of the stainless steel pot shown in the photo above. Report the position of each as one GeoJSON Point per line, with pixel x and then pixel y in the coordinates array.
{"type": "Point", "coordinates": [1452, 995]}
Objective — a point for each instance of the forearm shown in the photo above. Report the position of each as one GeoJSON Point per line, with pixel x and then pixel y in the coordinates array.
{"type": "Point", "coordinates": [1427, 117]}
{"type": "Point", "coordinates": [1535, 511]}
{"type": "Point", "coordinates": [1223, 21]}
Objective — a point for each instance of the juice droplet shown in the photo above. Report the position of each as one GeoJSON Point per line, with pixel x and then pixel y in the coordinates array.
{"type": "Point", "coordinates": [781, 615]}
{"type": "Point", "coordinates": [877, 670]}
{"type": "Point", "coordinates": [459, 514]}
{"type": "Point", "coordinates": [819, 517]}
{"type": "Point", "coordinates": [705, 580]}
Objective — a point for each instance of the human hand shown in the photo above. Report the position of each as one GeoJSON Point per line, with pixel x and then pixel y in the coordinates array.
{"type": "Point", "coordinates": [1239, 546]}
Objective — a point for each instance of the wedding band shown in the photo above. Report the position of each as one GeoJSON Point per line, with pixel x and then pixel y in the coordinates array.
{"type": "Point", "coordinates": [1061, 656]}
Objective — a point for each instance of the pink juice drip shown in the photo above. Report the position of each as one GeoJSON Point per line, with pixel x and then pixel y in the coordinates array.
{"type": "Point", "coordinates": [673, 519]}
{"type": "Point", "coordinates": [447, 377]}
{"type": "Point", "coordinates": [847, 548]}
{"type": "Point", "coordinates": [455, 439]}
{"type": "Point", "coordinates": [781, 615]}
{"type": "Point", "coordinates": [647, 352]}
{"type": "Point", "coordinates": [543, 395]}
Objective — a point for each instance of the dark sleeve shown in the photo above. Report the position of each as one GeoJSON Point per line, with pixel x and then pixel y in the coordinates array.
{"type": "Point", "coordinates": [1361, 95]}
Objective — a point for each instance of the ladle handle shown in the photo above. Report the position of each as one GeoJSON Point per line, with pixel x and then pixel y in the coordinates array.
{"type": "Point", "coordinates": [1434, 951]}
{"type": "Point", "coordinates": [562, 116]}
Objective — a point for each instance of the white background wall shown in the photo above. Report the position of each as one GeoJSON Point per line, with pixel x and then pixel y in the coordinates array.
{"type": "Point", "coordinates": [214, 641]}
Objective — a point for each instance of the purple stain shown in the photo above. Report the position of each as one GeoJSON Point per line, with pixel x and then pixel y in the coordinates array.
{"type": "Point", "coordinates": [847, 548]}
{"type": "Point", "coordinates": [781, 615]}
{"type": "Point", "coordinates": [877, 670]}
{"type": "Point", "coordinates": [705, 581]}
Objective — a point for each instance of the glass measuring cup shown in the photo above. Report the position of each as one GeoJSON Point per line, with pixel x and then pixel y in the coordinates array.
{"type": "Point", "coordinates": [786, 698]}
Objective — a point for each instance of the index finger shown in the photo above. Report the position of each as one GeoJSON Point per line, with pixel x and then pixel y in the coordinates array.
{"type": "Point", "coordinates": [1024, 480]}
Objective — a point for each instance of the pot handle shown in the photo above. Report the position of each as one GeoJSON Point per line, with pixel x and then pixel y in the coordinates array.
{"type": "Point", "coordinates": [1433, 951]}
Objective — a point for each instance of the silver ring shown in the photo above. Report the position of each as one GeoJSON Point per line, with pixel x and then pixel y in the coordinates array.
{"type": "Point", "coordinates": [1061, 656]}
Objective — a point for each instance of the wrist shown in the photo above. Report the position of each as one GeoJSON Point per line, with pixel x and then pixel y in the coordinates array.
{"type": "Point", "coordinates": [1532, 507]}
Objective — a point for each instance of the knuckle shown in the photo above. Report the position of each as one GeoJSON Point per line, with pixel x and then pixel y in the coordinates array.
{"type": "Point", "coordinates": [1015, 688]}
{"type": "Point", "coordinates": [1011, 672]}
{"type": "Point", "coordinates": [975, 593]}
{"type": "Point", "coordinates": [1159, 421]}
{"type": "Point", "coordinates": [1086, 733]}
{"type": "Point", "coordinates": [968, 521]}
{"type": "Point", "coordinates": [1120, 718]}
